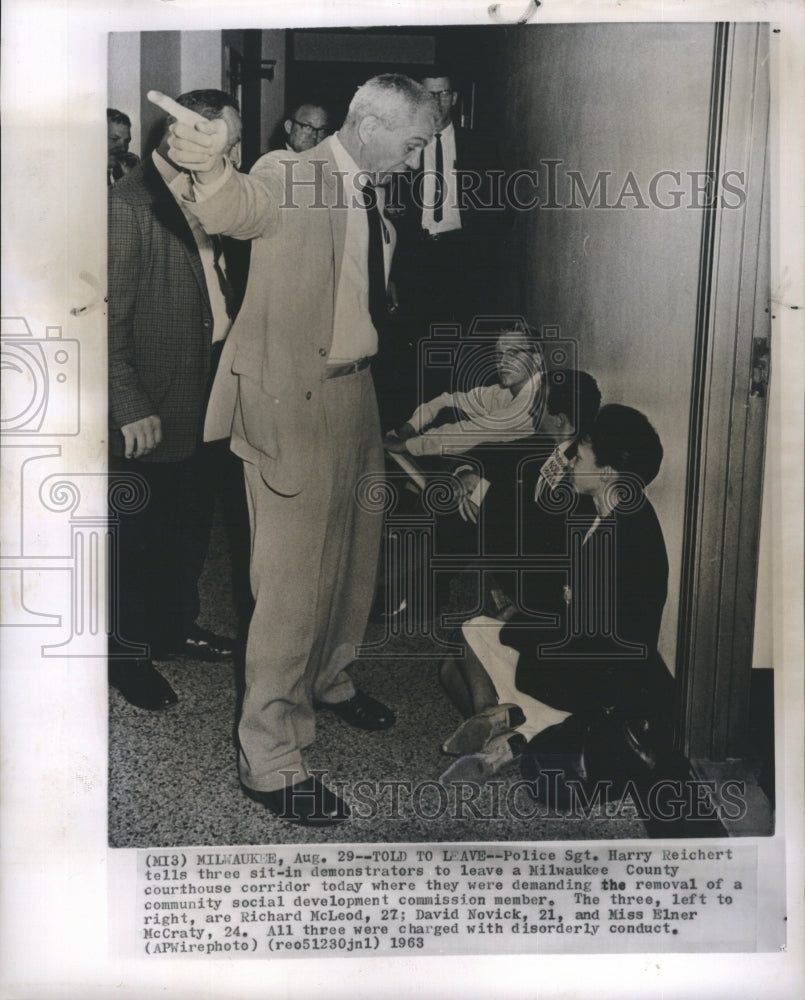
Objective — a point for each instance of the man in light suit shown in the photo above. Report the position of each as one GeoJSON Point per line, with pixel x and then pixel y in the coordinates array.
{"type": "Point", "coordinates": [295, 391]}
{"type": "Point", "coordinates": [170, 308]}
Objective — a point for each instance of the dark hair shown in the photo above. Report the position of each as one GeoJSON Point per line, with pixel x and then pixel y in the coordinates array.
{"type": "Point", "coordinates": [623, 438]}
{"type": "Point", "coordinates": [209, 104]}
{"type": "Point", "coordinates": [113, 116]}
{"type": "Point", "coordinates": [439, 72]}
{"type": "Point", "coordinates": [291, 114]}
{"type": "Point", "coordinates": [576, 394]}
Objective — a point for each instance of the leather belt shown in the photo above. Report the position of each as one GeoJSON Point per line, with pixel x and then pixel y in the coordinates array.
{"type": "Point", "coordinates": [349, 368]}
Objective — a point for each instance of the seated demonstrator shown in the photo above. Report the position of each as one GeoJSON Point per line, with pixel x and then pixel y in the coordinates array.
{"type": "Point", "coordinates": [511, 484]}
{"type": "Point", "coordinates": [503, 411]}
{"type": "Point", "coordinates": [519, 679]}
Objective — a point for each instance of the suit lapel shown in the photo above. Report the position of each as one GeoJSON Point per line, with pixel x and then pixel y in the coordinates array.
{"type": "Point", "coordinates": [338, 216]}
{"type": "Point", "coordinates": [168, 213]}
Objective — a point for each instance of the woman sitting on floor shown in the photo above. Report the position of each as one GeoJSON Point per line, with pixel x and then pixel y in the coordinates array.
{"type": "Point", "coordinates": [598, 658]}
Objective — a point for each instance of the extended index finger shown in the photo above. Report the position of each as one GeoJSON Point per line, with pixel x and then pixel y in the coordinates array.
{"type": "Point", "coordinates": [184, 115]}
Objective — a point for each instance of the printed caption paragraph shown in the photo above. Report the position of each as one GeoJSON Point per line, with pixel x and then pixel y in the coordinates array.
{"type": "Point", "coordinates": [292, 901]}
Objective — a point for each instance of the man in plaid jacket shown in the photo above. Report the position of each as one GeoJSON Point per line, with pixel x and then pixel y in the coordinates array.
{"type": "Point", "coordinates": [170, 308]}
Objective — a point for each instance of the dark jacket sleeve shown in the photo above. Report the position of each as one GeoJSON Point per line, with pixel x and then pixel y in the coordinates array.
{"type": "Point", "coordinates": [128, 399]}
{"type": "Point", "coordinates": [630, 587]}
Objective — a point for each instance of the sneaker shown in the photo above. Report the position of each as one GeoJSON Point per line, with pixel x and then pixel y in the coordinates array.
{"type": "Point", "coordinates": [478, 767]}
{"type": "Point", "coordinates": [473, 734]}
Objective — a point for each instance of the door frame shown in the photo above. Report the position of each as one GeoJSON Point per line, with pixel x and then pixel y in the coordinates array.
{"type": "Point", "coordinates": [728, 407]}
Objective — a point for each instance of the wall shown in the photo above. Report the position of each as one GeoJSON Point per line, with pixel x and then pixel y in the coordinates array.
{"type": "Point", "coordinates": [272, 104]}
{"type": "Point", "coordinates": [621, 281]}
{"type": "Point", "coordinates": [124, 81]}
{"type": "Point", "coordinates": [201, 60]}
{"type": "Point", "coordinates": [160, 69]}
{"type": "Point", "coordinates": [171, 61]}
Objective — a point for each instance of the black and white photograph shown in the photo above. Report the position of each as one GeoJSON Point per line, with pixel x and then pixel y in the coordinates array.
{"type": "Point", "coordinates": [530, 544]}
{"type": "Point", "coordinates": [402, 459]}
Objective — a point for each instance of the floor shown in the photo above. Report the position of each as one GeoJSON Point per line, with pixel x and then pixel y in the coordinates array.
{"type": "Point", "coordinates": [173, 775]}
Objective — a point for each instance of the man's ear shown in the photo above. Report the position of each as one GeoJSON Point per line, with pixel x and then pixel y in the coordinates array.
{"type": "Point", "coordinates": [288, 124]}
{"type": "Point", "coordinates": [608, 474]}
{"type": "Point", "coordinates": [563, 424]}
{"type": "Point", "coordinates": [367, 127]}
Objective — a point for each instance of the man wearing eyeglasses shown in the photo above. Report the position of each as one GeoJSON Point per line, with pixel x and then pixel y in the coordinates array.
{"type": "Point", "coordinates": [305, 127]}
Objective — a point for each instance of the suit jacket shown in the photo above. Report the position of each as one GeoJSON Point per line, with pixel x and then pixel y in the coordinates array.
{"type": "Point", "coordinates": [268, 390]}
{"type": "Point", "coordinates": [635, 580]}
{"type": "Point", "coordinates": [160, 321]}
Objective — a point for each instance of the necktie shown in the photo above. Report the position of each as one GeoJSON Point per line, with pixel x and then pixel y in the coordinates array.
{"type": "Point", "coordinates": [375, 265]}
{"type": "Point", "coordinates": [552, 473]}
{"type": "Point", "coordinates": [438, 192]}
{"type": "Point", "coordinates": [223, 281]}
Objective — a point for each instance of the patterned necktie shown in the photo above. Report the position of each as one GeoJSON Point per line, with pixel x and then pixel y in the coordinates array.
{"type": "Point", "coordinates": [223, 281]}
{"type": "Point", "coordinates": [376, 267]}
{"type": "Point", "coordinates": [438, 194]}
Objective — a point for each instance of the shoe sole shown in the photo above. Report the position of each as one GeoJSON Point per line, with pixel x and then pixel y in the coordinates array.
{"type": "Point", "coordinates": [473, 734]}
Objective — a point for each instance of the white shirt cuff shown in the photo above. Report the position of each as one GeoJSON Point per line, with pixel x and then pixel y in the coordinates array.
{"type": "Point", "coordinates": [203, 191]}
{"type": "Point", "coordinates": [479, 492]}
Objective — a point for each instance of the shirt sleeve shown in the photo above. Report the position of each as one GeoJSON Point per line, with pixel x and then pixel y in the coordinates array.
{"type": "Point", "coordinates": [427, 412]}
{"type": "Point", "coordinates": [481, 424]}
{"type": "Point", "coordinates": [245, 206]}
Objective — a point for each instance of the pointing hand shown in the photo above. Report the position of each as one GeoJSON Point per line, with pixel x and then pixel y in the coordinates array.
{"type": "Point", "coordinates": [195, 142]}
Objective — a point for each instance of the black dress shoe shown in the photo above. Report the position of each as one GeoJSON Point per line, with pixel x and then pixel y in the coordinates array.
{"type": "Point", "coordinates": [141, 684]}
{"type": "Point", "coordinates": [201, 644]}
{"type": "Point", "coordinates": [308, 803]}
{"type": "Point", "coordinates": [361, 711]}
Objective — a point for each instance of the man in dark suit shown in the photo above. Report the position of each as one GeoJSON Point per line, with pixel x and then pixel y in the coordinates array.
{"type": "Point", "coordinates": [446, 238]}
{"type": "Point", "coordinates": [170, 308]}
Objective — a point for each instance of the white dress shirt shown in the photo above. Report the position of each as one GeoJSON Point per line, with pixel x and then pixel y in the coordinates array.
{"type": "Point", "coordinates": [451, 217]}
{"type": "Point", "coordinates": [354, 335]}
{"type": "Point", "coordinates": [178, 183]}
{"type": "Point", "coordinates": [491, 415]}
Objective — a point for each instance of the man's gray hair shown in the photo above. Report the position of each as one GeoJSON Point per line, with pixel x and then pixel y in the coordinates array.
{"type": "Point", "coordinates": [393, 98]}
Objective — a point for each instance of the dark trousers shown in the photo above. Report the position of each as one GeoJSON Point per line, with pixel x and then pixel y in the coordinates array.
{"type": "Point", "coordinates": [162, 545]}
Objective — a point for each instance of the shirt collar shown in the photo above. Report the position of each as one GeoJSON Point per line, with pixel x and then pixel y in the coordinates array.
{"type": "Point", "coordinates": [344, 159]}
{"type": "Point", "coordinates": [177, 181]}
